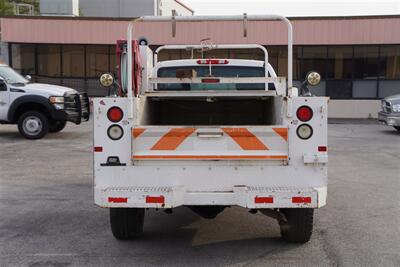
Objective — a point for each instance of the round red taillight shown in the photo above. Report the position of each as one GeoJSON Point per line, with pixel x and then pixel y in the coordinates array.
{"type": "Point", "coordinates": [115, 114]}
{"type": "Point", "coordinates": [304, 113]}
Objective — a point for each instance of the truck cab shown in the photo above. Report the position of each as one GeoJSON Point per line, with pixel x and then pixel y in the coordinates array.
{"type": "Point", "coordinates": [38, 108]}
{"type": "Point", "coordinates": [209, 133]}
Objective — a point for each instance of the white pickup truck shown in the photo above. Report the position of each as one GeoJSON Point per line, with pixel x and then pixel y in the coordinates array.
{"type": "Point", "coordinates": [209, 133]}
{"type": "Point", "coordinates": [38, 108]}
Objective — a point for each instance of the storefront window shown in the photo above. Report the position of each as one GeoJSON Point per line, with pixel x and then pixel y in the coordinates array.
{"type": "Point", "coordinates": [366, 62]}
{"type": "Point", "coordinates": [97, 60]}
{"type": "Point", "coordinates": [73, 61]}
{"type": "Point", "coordinates": [113, 60]}
{"type": "Point", "coordinates": [390, 62]}
{"type": "Point", "coordinates": [49, 60]}
{"type": "Point", "coordinates": [23, 58]}
{"type": "Point", "coordinates": [339, 63]}
{"type": "Point", "coordinates": [313, 58]}
{"type": "Point", "coordinates": [283, 62]}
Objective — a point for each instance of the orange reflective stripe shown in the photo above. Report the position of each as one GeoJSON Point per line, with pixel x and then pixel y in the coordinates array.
{"type": "Point", "coordinates": [137, 131]}
{"type": "Point", "coordinates": [283, 132]}
{"type": "Point", "coordinates": [211, 157]}
{"type": "Point", "coordinates": [245, 139]}
{"type": "Point", "coordinates": [172, 139]}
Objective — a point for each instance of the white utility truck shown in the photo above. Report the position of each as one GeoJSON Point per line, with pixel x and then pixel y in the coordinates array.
{"type": "Point", "coordinates": [209, 133]}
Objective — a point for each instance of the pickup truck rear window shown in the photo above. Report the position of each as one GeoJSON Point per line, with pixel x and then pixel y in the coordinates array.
{"type": "Point", "coordinates": [216, 71]}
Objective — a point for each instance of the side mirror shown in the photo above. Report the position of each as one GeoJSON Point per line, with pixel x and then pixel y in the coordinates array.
{"type": "Point", "coordinates": [106, 80]}
{"type": "Point", "coordinates": [28, 77]}
{"type": "Point", "coordinates": [313, 78]}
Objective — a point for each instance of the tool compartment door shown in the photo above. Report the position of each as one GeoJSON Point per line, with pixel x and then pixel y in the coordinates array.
{"type": "Point", "coordinates": [210, 143]}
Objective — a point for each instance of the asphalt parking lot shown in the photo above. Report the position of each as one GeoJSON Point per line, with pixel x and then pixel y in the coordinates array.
{"type": "Point", "coordinates": [47, 215]}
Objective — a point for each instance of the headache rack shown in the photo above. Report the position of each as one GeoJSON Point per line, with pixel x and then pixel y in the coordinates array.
{"type": "Point", "coordinates": [281, 90]}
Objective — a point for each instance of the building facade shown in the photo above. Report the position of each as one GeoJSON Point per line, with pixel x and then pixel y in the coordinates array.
{"type": "Point", "coordinates": [358, 57]}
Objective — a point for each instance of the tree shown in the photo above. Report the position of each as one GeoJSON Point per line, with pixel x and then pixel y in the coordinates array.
{"type": "Point", "coordinates": [6, 8]}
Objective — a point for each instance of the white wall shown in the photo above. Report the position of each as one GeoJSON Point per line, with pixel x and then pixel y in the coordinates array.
{"type": "Point", "coordinates": [59, 7]}
{"type": "Point", "coordinates": [354, 108]}
{"type": "Point", "coordinates": [168, 5]}
{"type": "Point", "coordinates": [117, 8]}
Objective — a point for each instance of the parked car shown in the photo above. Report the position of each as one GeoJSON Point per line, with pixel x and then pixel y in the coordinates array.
{"type": "Point", "coordinates": [390, 114]}
{"type": "Point", "coordinates": [38, 108]}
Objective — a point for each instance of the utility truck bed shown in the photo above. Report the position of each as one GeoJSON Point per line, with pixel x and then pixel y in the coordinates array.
{"type": "Point", "coordinates": [207, 134]}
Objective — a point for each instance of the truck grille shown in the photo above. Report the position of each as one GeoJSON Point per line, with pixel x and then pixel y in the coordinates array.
{"type": "Point", "coordinates": [77, 107]}
{"type": "Point", "coordinates": [386, 106]}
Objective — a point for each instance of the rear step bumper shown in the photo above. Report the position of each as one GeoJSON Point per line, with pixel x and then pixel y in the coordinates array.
{"type": "Point", "coordinates": [244, 196]}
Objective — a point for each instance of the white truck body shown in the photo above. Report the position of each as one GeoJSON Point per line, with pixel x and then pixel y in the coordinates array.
{"type": "Point", "coordinates": [165, 165]}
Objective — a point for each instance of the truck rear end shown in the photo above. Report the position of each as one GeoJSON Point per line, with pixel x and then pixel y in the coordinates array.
{"type": "Point", "coordinates": [209, 134]}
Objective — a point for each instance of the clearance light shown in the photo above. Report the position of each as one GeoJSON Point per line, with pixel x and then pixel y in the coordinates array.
{"type": "Point", "coordinates": [155, 199]}
{"type": "Point", "coordinates": [304, 113]}
{"type": "Point", "coordinates": [322, 149]}
{"type": "Point", "coordinates": [212, 61]}
{"type": "Point", "coordinates": [302, 200]}
{"type": "Point", "coordinates": [115, 114]}
{"type": "Point", "coordinates": [210, 80]}
{"type": "Point", "coordinates": [259, 200]}
{"type": "Point", "coordinates": [304, 131]}
{"type": "Point", "coordinates": [115, 132]}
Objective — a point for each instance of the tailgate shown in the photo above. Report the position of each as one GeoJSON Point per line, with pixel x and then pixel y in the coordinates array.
{"type": "Point", "coordinates": [210, 143]}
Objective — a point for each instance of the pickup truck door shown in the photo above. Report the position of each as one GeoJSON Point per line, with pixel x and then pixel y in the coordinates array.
{"type": "Point", "coordinates": [4, 100]}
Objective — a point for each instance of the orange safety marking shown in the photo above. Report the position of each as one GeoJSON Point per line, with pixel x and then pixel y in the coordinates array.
{"type": "Point", "coordinates": [281, 157]}
{"type": "Point", "coordinates": [137, 131]}
{"type": "Point", "coordinates": [283, 132]}
{"type": "Point", "coordinates": [245, 139]}
{"type": "Point", "coordinates": [172, 139]}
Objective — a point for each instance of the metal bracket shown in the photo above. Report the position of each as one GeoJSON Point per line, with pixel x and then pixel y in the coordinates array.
{"type": "Point", "coordinates": [173, 21]}
{"type": "Point", "coordinates": [244, 24]}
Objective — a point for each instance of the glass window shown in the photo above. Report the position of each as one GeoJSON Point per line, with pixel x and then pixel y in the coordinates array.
{"type": "Point", "coordinates": [339, 64]}
{"type": "Point", "coordinates": [113, 60]}
{"type": "Point", "coordinates": [49, 60]}
{"type": "Point", "coordinates": [390, 62]}
{"type": "Point", "coordinates": [97, 60]}
{"type": "Point", "coordinates": [366, 62]}
{"type": "Point", "coordinates": [73, 61]}
{"type": "Point", "coordinates": [23, 58]}
{"type": "Point", "coordinates": [313, 58]}
{"type": "Point", "coordinates": [283, 62]}
{"type": "Point", "coordinates": [216, 71]}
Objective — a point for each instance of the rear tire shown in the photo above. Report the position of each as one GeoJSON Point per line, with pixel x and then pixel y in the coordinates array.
{"type": "Point", "coordinates": [33, 124]}
{"type": "Point", "coordinates": [126, 223]}
{"type": "Point", "coordinates": [57, 126]}
{"type": "Point", "coordinates": [397, 128]}
{"type": "Point", "coordinates": [299, 225]}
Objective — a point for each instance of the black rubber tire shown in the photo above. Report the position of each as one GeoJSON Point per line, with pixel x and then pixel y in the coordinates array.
{"type": "Point", "coordinates": [299, 225]}
{"type": "Point", "coordinates": [397, 128]}
{"type": "Point", "coordinates": [57, 126]}
{"type": "Point", "coordinates": [40, 116]}
{"type": "Point", "coordinates": [126, 223]}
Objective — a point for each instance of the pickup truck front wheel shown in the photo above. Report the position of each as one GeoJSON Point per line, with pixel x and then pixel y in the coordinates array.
{"type": "Point", "coordinates": [57, 126]}
{"type": "Point", "coordinates": [126, 223]}
{"type": "Point", "coordinates": [298, 226]}
{"type": "Point", "coordinates": [33, 124]}
{"type": "Point", "coordinates": [397, 128]}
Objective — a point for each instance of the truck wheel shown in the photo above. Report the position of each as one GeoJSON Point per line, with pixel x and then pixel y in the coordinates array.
{"type": "Point", "coordinates": [57, 126]}
{"type": "Point", "coordinates": [126, 223]}
{"type": "Point", "coordinates": [397, 128]}
{"type": "Point", "coordinates": [33, 124]}
{"type": "Point", "coordinates": [299, 225]}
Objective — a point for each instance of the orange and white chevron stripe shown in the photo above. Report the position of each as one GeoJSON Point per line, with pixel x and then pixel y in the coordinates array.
{"type": "Point", "coordinates": [210, 143]}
